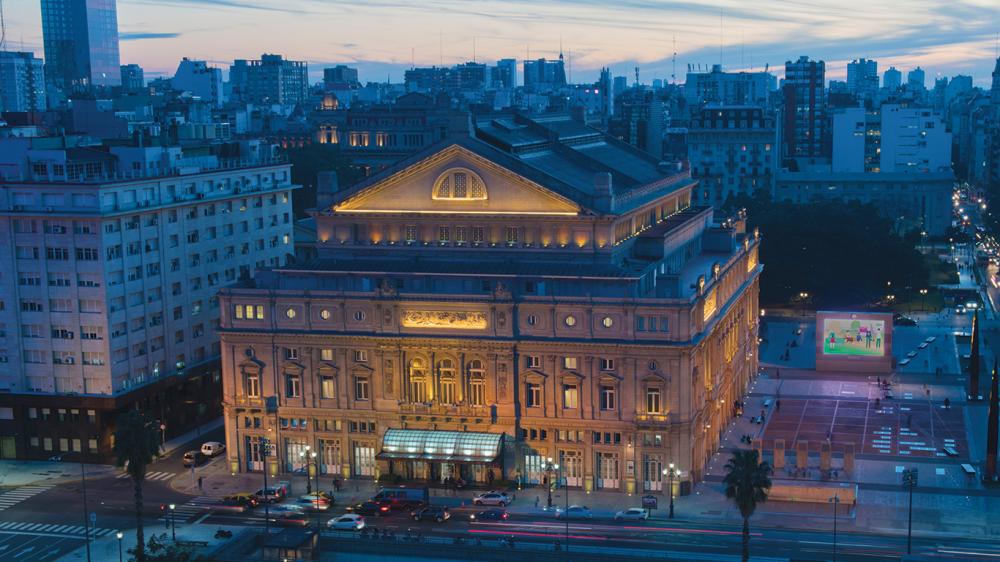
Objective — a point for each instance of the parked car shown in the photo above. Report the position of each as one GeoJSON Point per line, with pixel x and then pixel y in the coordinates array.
{"type": "Point", "coordinates": [270, 495]}
{"type": "Point", "coordinates": [212, 448]}
{"type": "Point", "coordinates": [490, 515]}
{"type": "Point", "coordinates": [347, 522]}
{"type": "Point", "coordinates": [632, 514]}
{"type": "Point", "coordinates": [435, 512]}
{"type": "Point", "coordinates": [492, 498]}
{"type": "Point", "coordinates": [369, 508]}
{"type": "Point", "coordinates": [193, 458]}
{"type": "Point", "coordinates": [575, 512]}
{"type": "Point", "coordinates": [402, 497]}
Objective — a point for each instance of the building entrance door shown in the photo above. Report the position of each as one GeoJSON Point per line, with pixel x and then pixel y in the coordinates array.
{"type": "Point", "coordinates": [573, 468]}
{"type": "Point", "coordinates": [254, 454]}
{"type": "Point", "coordinates": [607, 470]}
{"type": "Point", "coordinates": [652, 476]}
{"type": "Point", "coordinates": [364, 461]}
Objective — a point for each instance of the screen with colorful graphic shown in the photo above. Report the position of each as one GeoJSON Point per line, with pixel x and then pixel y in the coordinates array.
{"type": "Point", "coordinates": [853, 336]}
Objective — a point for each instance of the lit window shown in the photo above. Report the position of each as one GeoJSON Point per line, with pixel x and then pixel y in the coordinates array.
{"type": "Point", "coordinates": [459, 183]}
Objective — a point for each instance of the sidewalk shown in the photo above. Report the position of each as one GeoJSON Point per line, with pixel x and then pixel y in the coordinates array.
{"type": "Point", "coordinates": [23, 473]}
{"type": "Point", "coordinates": [106, 548]}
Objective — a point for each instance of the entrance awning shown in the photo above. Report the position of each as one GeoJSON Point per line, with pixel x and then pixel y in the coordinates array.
{"type": "Point", "coordinates": [451, 446]}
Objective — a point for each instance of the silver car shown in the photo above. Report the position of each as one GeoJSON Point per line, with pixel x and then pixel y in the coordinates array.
{"type": "Point", "coordinates": [632, 514]}
{"type": "Point", "coordinates": [575, 512]}
{"type": "Point", "coordinates": [492, 498]}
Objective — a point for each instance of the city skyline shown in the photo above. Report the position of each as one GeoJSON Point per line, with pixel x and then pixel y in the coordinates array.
{"type": "Point", "coordinates": [382, 40]}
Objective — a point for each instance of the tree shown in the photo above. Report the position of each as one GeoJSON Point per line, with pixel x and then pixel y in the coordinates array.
{"type": "Point", "coordinates": [158, 549]}
{"type": "Point", "coordinates": [747, 481]}
{"type": "Point", "coordinates": [137, 443]}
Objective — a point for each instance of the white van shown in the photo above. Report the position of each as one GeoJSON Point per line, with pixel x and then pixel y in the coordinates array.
{"type": "Point", "coordinates": [212, 448]}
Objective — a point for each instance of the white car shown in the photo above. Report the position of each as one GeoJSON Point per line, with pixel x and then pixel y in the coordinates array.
{"type": "Point", "coordinates": [347, 522]}
{"type": "Point", "coordinates": [575, 512]}
{"type": "Point", "coordinates": [492, 498]}
{"type": "Point", "coordinates": [632, 514]}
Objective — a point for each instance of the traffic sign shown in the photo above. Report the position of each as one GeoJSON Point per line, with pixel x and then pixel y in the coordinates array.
{"type": "Point", "coordinates": [93, 517]}
{"type": "Point", "coordinates": [649, 502]}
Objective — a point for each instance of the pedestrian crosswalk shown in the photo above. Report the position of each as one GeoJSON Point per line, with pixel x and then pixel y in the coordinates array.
{"type": "Point", "coordinates": [18, 495]}
{"type": "Point", "coordinates": [192, 507]}
{"type": "Point", "coordinates": [150, 476]}
{"type": "Point", "coordinates": [53, 529]}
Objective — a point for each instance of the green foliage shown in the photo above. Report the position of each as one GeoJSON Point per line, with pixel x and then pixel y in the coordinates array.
{"type": "Point", "coordinates": [137, 442]}
{"type": "Point", "coordinates": [310, 160]}
{"type": "Point", "coordinates": [841, 253]}
{"type": "Point", "coordinates": [747, 481]}
{"type": "Point", "coordinates": [160, 549]}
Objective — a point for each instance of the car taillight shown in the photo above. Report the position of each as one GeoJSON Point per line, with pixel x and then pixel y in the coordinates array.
{"type": "Point", "coordinates": [384, 508]}
{"type": "Point", "coordinates": [505, 515]}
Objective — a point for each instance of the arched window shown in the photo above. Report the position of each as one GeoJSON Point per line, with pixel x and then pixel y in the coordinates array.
{"type": "Point", "coordinates": [477, 383]}
{"type": "Point", "coordinates": [459, 183]}
{"type": "Point", "coordinates": [418, 381]}
{"type": "Point", "coordinates": [446, 370]}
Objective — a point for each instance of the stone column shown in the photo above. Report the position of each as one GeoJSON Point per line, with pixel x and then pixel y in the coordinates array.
{"type": "Point", "coordinates": [779, 453]}
{"type": "Point", "coordinates": [824, 456]}
{"type": "Point", "coordinates": [849, 457]}
{"type": "Point", "coordinates": [802, 454]}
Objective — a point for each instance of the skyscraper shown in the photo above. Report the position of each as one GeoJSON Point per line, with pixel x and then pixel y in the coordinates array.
{"type": "Point", "coordinates": [272, 79]}
{"type": "Point", "coordinates": [892, 79]}
{"type": "Point", "coordinates": [132, 78]}
{"type": "Point", "coordinates": [22, 83]}
{"type": "Point", "coordinates": [804, 116]}
{"type": "Point", "coordinates": [544, 75]}
{"type": "Point", "coordinates": [862, 78]}
{"type": "Point", "coordinates": [81, 43]}
{"type": "Point", "coordinates": [916, 78]}
{"type": "Point", "coordinates": [506, 74]}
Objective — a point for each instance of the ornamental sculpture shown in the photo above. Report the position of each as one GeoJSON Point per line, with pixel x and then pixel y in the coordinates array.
{"type": "Point", "coordinates": [444, 319]}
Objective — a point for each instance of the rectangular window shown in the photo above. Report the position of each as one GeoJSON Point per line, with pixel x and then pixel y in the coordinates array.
{"type": "Point", "coordinates": [360, 356]}
{"type": "Point", "coordinates": [327, 387]}
{"type": "Point", "coordinates": [478, 234]}
{"type": "Point", "coordinates": [607, 364]}
{"type": "Point", "coordinates": [361, 388]}
{"type": "Point", "coordinates": [608, 397]}
{"type": "Point", "coordinates": [511, 232]}
{"type": "Point", "coordinates": [569, 363]}
{"type": "Point", "coordinates": [444, 234]}
{"type": "Point", "coordinates": [477, 392]}
{"type": "Point", "coordinates": [571, 396]}
{"type": "Point", "coordinates": [411, 234]}
{"type": "Point", "coordinates": [293, 386]}
{"type": "Point", "coordinates": [251, 384]}
{"type": "Point", "coordinates": [533, 396]}
{"type": "Point", "coordinates": [534, 361]}
{"type": "Point", "coordinates": [461, 234]}
{"type": "Point", "coordinates": [652, 400]}
{"type": "Point", "coordinates": [326, 354]}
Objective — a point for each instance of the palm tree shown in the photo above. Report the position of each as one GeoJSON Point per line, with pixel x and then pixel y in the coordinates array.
{"type": "Point", "coordinates": [748, 481]}
{"type": "Point", "coordinates": [136, 444]}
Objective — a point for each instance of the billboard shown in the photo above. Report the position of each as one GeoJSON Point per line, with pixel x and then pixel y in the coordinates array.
{"type": "Point", "coordinates": [854, 341]}
{"type": "Point", "coordinates": [853, 336]}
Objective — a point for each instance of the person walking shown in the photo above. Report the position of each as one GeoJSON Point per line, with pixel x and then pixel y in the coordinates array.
{"type": "Point", "coordinates": [199, 483]}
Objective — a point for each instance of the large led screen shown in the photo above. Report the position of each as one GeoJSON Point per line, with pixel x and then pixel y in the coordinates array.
{"type": "Point", "coordinates": [852, 336]}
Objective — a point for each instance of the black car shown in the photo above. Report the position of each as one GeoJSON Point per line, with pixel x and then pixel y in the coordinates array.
{"type": "Point", "coordinates": [490, 515]}
{"type": "Point", "coordinates": [900, 320]}
{"type": "Point", "coordinates": [434, 512]}
{"type": "Point", "coordinates": [369, 508]}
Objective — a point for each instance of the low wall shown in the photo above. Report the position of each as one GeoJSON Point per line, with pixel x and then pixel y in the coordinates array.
{"type": "Point", "coordinates": [812, 492]}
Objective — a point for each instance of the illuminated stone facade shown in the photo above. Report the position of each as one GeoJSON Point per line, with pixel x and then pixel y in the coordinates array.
{"type": "Point", "coordinates": [559, 290]}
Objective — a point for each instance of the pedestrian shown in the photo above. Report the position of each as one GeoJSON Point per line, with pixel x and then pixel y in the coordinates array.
{"type": "Point", "coordinates": [199, 483]}
{"type": "Point", "coordinates": [777, 405]}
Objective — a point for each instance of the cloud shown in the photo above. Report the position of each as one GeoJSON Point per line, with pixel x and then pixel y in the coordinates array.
{"type": "Point", "coordinates": [140, 35]}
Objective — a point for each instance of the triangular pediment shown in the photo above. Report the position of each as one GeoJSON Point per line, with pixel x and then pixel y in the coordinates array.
{"type": "Point", "coordinates": [456, 180]}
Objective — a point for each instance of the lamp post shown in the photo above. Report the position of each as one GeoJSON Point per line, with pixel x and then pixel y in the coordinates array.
{"type": "Point", "coordinates": [923, 296]}
{"type": "Point", "coordinates": [565, 504]}
{"type": "Point", "coordinates": [670, 472]}
{"type": "Point", "coordinates": [910, 482]}
{"type": "Point", "coordinates": [173, 523]}
{"type": "Point", "coordinates": [834, 500]}
{"type": "Point", "coordinates": [803, 297]}
{"type": "Point", "coordinates": [309, 458]}
{"type": "Point", "coordinates": [119, 535]}
{"type": "Point", "coordinates": [549, 469]}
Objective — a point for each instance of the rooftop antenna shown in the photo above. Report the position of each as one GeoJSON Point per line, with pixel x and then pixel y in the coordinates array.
{"type": "Point", "coordinates": [412, 58]}
{"type": "Point", "coordinates": [3, 31]}
{"type": "Point", "coordinates": [721, 36]}
{"type": "Point", "coordinates": [441, 47]}
{"type": "Point", "coordinates": [473, 48]}
{"type": "Point", "coordinates": [637, 76]}
{"type": "Point", "coordinates": [673, 63]}
{"type": "Point", "coordinates": [743, 47]}
{"type": "Point", "coordinates": [569, 60]}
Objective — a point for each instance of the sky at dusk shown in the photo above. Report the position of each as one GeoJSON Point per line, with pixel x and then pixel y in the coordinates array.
{"type": "Point", "coordinates": [382, 37]}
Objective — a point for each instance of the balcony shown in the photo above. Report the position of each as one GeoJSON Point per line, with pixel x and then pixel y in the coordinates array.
{"type": "Point", "coordinates": [657, 420]}
{"type": "Point", "coordinates": [443, 409]}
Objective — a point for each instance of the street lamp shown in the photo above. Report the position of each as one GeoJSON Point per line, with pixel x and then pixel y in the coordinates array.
{"type": "Point", "coordinates": [173, 523]}
{"type": "Point", "coordinates": [910, 482]}
{"type": "Point", "coordinates": [670, 472]}
{"type": "Point", "coordinates": [309, 458]}
{"type": "Point", "coordinates": [549, 469]}
{"type": "Point", "coordinates": [119, 535]}
{"type": "Point", "coordinates": [923, 296]}
{"type": "Point", "coordinates": [834, 500]}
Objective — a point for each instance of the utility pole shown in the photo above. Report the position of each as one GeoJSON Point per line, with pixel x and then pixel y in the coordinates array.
{"type": "Point", "coordinates": [834, 500]}
{"type": "Point", "coordinates": [910, 482]}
